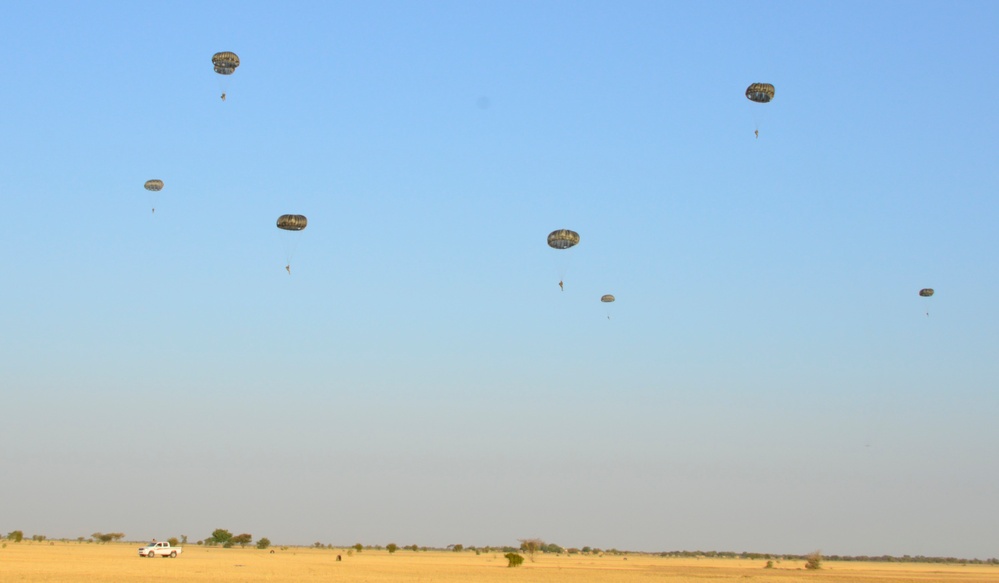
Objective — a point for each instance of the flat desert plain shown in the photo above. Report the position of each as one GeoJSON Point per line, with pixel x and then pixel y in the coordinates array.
{"type": "Point", "coordinates": [99, 563]}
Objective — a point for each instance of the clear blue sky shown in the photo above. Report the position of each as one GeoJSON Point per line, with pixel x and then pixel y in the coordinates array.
{"type": "Point", "coordinates": [768, 379]}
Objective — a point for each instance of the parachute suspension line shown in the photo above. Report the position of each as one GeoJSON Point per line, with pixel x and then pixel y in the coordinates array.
{"type": "Point", "coordinates": [566, 264]}
{"type": "Point", "coordinates": [290, 247]}
{"type": "Point", "coordinates": [758, 118]}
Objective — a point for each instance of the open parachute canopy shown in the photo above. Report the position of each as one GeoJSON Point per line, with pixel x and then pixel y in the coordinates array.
{"type": "Point", "coordinates": [760, 92]}
{"type": "Point", "coordinates": [607, 298]}
{"type": "Point", "coordinates": [154, 185]}
{"type": "Point", "coordinates": [926, 292]}
{"type": "Point", "coordinates": [225, 62]}
{"type": "Point", "coordinates": [563, 239]}
{"type": "Point", "coordinates": [292, 222]}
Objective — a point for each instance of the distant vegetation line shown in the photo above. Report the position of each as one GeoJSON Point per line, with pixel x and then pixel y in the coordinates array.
{"type": "Point", "coordinates": [223, 538]}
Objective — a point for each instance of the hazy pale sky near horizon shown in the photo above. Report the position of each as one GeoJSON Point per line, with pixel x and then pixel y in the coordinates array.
{"type": "Point", "coordinates": [768, 379]}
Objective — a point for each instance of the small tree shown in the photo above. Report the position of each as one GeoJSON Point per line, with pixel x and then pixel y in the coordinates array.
{"type": "Point", "coordinates": [15, 535]}
{"type": "Point", "coordinates": [531, 546]}
{"type": "Point", "coordinates": [263, 543]}
{"type": "Point", "coordinates": [414, 548]}
{"type": "Point", "coordinates": [458, 548]}
{"type": "Point", "coordinates": [514, 560]}
{"type": "Point", "coordinates": [242, 539]}
{"type": "Point", "coordinates": [392, 547]}
{"type": "Point", "coordinates": [358, 547]}
{"type": "Point", "coordinates": [221, 536]}
{"type": "Point", "coordinates": [173, 541]}
{"type": "Point", "coordinates": [813, 560]}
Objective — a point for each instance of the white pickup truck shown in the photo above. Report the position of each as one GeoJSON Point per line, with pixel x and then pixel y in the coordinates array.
{"type": "Point", "coordinates": [161, 549]}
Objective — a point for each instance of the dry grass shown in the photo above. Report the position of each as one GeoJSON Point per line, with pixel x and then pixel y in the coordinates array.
{"type": "Point", "coordinates": [92, 563]}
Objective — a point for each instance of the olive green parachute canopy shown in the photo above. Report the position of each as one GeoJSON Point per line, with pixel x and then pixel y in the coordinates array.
{"type": "Point", "coordinates": [760, 92]}
{"type": "Point", "coordinates": [607, 298]}
{"type": "Point", "coordinates": [926, 292]}
{"type": "Point", "coordinates": [154, 185]}
{"type": "Point", "coordinates": [563, 239]}
{"type": "Point", "coordinates": [292, 222]}
{"type": "Point", "coordinates": [225, 62]}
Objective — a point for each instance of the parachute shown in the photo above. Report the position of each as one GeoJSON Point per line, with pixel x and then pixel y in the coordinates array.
{"type": "Point", "coordinates": [927, 292]}
{"type": "Point", "coordinates": [608, 300]}
{"type": "Point", "coordinates": [225, 62]}
{"type": "Point", "coordinates": [292, 222]}
{"type": "Point", "coordinates": [760, 92]}
{"type": "Point", "coordinates": [563, 239]}
{"type": "Point", "coordinates": [153, 186]}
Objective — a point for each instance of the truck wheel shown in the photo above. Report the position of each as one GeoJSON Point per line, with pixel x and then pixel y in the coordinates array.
{"type": "Point", "coordinates": [173, 554]}
{"type": "Point", "coordinates": [151, 554]}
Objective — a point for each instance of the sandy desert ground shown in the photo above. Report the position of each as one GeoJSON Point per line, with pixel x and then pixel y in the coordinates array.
{"type": "Point", "coordinates": [91, 563]}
